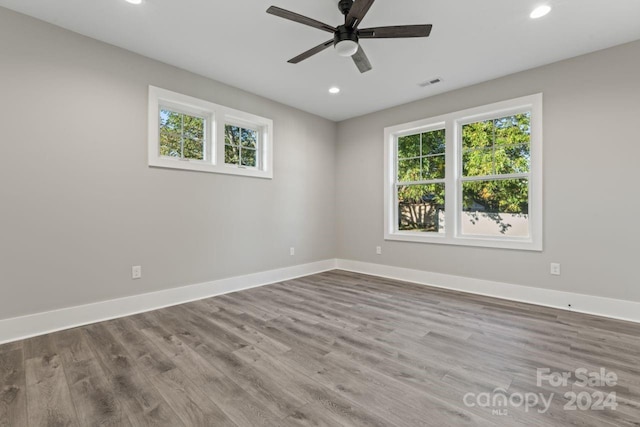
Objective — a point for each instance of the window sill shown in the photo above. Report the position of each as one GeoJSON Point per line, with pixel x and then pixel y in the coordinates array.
{"type": "Point", "coordinates": [202, 166]}
{"type": "Point", "coordinates": [481, 241]}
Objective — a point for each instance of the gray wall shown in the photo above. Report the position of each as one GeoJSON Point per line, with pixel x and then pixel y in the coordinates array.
{"type": "Point", "coordinates": [79, 205]}
{"type": "Point", "coordinates": [591, 196]}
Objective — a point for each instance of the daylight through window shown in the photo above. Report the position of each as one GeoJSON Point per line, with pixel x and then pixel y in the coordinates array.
{"type": "Point", "coordinates": [193, 134]}
{"type": "Point", "coordinates": [473, 177]}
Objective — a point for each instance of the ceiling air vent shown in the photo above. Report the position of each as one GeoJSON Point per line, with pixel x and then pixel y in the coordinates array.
{"type": "Point", "coordinates": [430, 82]}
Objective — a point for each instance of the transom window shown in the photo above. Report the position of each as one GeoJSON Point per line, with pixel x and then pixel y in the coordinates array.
{"type": "Point", "coordinates": [182, 135]}
{"type": "Point", "coordinates": [478, 171]}
{"type": "Point", "coordinates": [193, 134]}
{"type": "Point", "coordinates": [241, 146]}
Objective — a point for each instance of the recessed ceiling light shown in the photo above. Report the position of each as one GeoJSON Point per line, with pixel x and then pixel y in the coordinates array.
{"type": "Point", "coordinates": [334, 90]}
{"type": "Point", "coordinates": [540, 11]}
{"type": "Point", "coordinates": [134, 1]}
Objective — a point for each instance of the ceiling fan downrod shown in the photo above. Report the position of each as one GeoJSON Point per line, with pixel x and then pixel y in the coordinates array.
{"type": "Point", "coordinates": [345, 6]}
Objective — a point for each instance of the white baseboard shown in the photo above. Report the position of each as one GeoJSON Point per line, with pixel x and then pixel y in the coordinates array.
{"type": "Point", "coordinates": [18, 328]}
{"type": "Point", "coordinates": [599, 306]}
{"type": "Point", "coordinates": [23, 327]}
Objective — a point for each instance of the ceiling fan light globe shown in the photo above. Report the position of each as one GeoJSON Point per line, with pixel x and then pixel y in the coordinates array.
{"type": "Point", "coordinates": [346, 48]}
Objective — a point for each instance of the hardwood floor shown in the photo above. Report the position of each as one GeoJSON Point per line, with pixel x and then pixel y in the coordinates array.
{"type": "Point", "coordinates": [333, 349]}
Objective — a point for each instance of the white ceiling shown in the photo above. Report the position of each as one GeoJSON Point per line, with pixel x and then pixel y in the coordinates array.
{"type": "Point", "coordinates": [236, 42]}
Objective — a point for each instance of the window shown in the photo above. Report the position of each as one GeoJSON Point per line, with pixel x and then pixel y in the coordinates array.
{"type": "Point", "coordinates": [420, 184]}
{"type": "Point", "coordinates": [472, 177]}
{"type": "Point", "coordinates": [241, 146]}
{"type": "Point", "coordinates": [182, 135]}
{"type": "Point", "coordinates": [193, 134]}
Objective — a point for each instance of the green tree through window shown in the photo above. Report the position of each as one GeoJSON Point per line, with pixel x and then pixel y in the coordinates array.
{"type": "Point", "coordinates": [240, 146]}
{"type": "Point", "coordinates": [181, 135]}
{"type": "Point", "coordinates": [492, 151]}
{"type": "Point", "coordinates": [421, 169]}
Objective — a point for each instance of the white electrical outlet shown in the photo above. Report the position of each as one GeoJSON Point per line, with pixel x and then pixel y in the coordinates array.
{"type": "Point", "coordinates": [379, 250]}
{"type": "Point", "coordinates": [292, 251]}
{"type": "Point", "coordinates": [136, 272]}
{"type": "Point", "coordinates": [555, 269]}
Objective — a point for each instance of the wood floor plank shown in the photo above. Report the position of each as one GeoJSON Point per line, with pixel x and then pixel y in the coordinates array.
{"type": "Point", "coordinates": [332, 349]}
{"type": "Point", "coordinates": [297, 374]}
{"type": "Point", "coordinates": [234, 401]}
{"type": "Point", "coordinates": [49, 400]}
{"type": "Point", "coordinates": [94, 399]}
{"type": "Point", "coordinates": [260, 386]}
{"type": "Point", "coordinates": [188, 401]}
{"type": "Point", "coordinates": [13, 401]}
{"type": "Point", "coordinates": [146, 355]}
{"type": "Point", "coordinates": [141, 400]}
{"type": "Point", "coordinates": [15, 345]}
{"type": "Point", "coordinates": [312, 415]}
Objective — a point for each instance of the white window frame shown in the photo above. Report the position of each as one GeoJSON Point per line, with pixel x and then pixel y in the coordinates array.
{"type": "Point", "coordinates": [232, 121]}
{"type": "Point", "coordinates": [452, 123]}
{"type": "Point", "coordinates": [215, 118]}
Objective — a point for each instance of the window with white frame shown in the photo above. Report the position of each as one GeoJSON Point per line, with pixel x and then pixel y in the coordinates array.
{"type": "Point", "coordinates": [193, 134]}
{"type": "Point", "coordinates": [472, 177]}
{"type": "Point", "coordinates": [241, 145]}
{"type": "Point", "coordinates": [182, 136]}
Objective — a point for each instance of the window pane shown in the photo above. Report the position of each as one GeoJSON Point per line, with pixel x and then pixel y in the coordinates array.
{"type": "Point", "coordinates": [193, 127]}
{"type": "Point", "coordinates": [421, 208]}
{"type": "Point", "coordinates": [193, 149]}
{"type": "Point", "coordinates": [514, 129]}
{"type": "Point", "coordinates": [231, 155]}
{"type": "Point", "coordinates": [248, 157]}
{"type": "Point", "coordinates": [477, 135]}
{"type": "Point", "coordinates": [170, 144]}
{"type": "Point", "coordinates": [496, 208]}
{"type": "Point", "coordinates": [231, 135]}
{"type": "Point", "coordinates": [433, 167]}
{"type": "Point", "coordinates": [181, 135]}
{"type": "Point", "coordinates": [498, 160]}
{"type": "Point", "coordinates": [170, 120]}
{"type": "Point", "coordinates": [477, 162]}
{"type": "Point", "coordinates": [433, 142]}
{"type": "Point", "coordinates": [409, 146]}
{"type": "Point", "coordinates": [409, 170]}
{"type": "Point", "coordinates": [499, 146]}
{"type": "Point", "coordinates": [512, 159]}
{"type": "Point", "coordinates": [249, 138]}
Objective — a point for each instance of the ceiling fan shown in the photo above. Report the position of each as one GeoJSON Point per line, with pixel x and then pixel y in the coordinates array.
{"type": "Point", "coordinates": [345, 37]}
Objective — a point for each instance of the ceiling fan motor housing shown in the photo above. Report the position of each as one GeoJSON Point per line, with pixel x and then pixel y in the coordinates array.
{"type": "Point", "coordinates": [345, 41]}
{"type": "Point", "coordinates": [343, 33]}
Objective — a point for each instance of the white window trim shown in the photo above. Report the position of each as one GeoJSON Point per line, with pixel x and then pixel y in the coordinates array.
{"type": "Point", "coordinates": [216, 116]}
{"type": "Point", "coordinates": [453, 125]}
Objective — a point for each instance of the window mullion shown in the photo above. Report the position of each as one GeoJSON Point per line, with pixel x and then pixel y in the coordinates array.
{"type": "Point", "coordinates": [451, 171]}
{"type": "Point", "coordinates": [182, 136]}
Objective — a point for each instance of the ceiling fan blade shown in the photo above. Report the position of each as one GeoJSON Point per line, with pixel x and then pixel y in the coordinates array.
{"type": "Point", "coordinates": [358, 10]}
{"type": "Point", "coordinates": [295, 17]}
{"type": "Point", "coordinates": [361, 60]}
{"type": "Point", "coordinates": [399, 31]}
{"type": "Point", "coordinates": [311, 52]}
